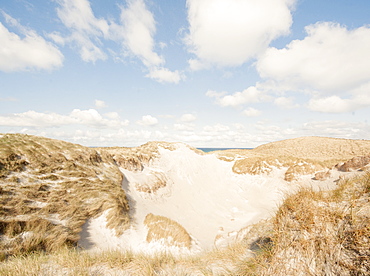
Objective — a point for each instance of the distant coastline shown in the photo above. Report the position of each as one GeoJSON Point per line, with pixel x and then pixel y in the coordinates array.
{"type": "Point", "coordinates": [215, 149]}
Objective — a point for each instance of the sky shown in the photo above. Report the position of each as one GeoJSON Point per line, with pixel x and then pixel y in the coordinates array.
{"type": "Point", "coordinates": [209, 73]}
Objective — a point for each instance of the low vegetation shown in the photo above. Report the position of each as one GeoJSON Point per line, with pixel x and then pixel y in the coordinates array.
{"type": "Point", "coordinates": [313, 233]}
{"type": "Point", "coordinates": [320, 233]}
{"type": "Point", "coordinates": [49, 188]}
{"type": "Point", "coordinates": [167, 231]}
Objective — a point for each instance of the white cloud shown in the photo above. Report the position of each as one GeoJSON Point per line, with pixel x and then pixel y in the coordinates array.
{"type": "Point", "coordinates": [135, 33]}
{"type": "Point", "coordinates": [332, 128]}
{"type": "Point", "coordinates": [219, 135]}
{"type": "Point", "coordinates": [196, 65]}
{"type": "Point", "coordinates": [330, 58]}
{"type": "Point", "coordinates": [230, 32]}
{"type": "Point", "coordinates": [91, 117]}
{"type": "Point", "coordinates": [162, 45]}
{"type": "Point", "coordinates": [188, 118]}
{"type": "Point", "coordinates": [247, 96]}
{"type": "Point", "coordinates": [112, 115]}
{"type": "Point", "coordinates": [332, 104]}
{"type": "Point", "coordinates": [335, 104]}
{"type": "Point", "coordinates": [32, 118]}
{"type": "Point", "coordinates": [86, 29]}
{"type": "Point", "coordinates": [216, 128]}
{"type": "Point", "coordinates": [89, 51]}
{"type": "Point", "coordinates": [78, 15]}
{"type": "Point", "coordinates": [331, 63]}
{"type": "Point", "coordinates": [138, 27]}
{"type": "Point", "coordinates": [35, 119]}
{"type": "Point", "coordinates": [161, 74]}
{"type": "Point", "coordinates": [184, 127]}
{"type": "Point", "coordinates": [285, 102]}
{"type": "Point", "coordinates": [148, 120]}
{"type": "Point", "coordinates": [100, 104]}
{"type": "Point", "coordinates": [239, 126]}
{"type": "Point", "coordinates": [30, 52]}
{"type": "Point", "coordinates": [251, 112]}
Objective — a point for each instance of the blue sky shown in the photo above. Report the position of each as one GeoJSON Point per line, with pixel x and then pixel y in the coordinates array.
{"type": "Point", "coordinates": [210, 73]}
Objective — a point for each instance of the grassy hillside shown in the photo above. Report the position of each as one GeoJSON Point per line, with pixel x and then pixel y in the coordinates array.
{"type": "Point", "coordinates": [49, 188]}
{"type": "Point", "coordinates": [319, 233]}
{"type": "Point", "coordinates": [299, 156]}
{"type": "Point", "coordinates": [313, 233]}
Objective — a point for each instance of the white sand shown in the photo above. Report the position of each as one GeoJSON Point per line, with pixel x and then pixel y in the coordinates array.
{"type": "Point", "coordinates": [202, 194]}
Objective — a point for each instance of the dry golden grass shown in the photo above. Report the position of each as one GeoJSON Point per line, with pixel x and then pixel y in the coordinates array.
{"type": "Point", "coordinates": [313, 233]}
{"type": "Point", "coordinates": [156, 181]}
{"type": "Point", "coordinates": [73, 262]}
{"type": "Point", "coordinates": [320, 233]}
{"type": "Point", "coordinates": [166, 230]}
{"type": "Point", "coordinates": [300, 156]}
{"type": "Point", "coordinates": [316, 148]}
{"type": "Point", "coordinates": [295, 167]}
{"type": "Point", "coordinates": [49, 188]}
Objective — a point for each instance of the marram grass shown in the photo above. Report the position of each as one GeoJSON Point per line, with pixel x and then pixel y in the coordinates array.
{"type": "Point", "coordinates": [313, 233]}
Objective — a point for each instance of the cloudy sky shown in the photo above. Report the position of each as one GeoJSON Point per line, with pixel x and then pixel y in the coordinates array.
{"type": "Point", "coordinates": [210, 73]}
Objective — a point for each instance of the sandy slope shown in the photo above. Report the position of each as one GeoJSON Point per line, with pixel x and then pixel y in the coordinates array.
{"type": "Point", "coordinates": [201, 192]}
{"type": "Point", "coordinates": [159, 196]}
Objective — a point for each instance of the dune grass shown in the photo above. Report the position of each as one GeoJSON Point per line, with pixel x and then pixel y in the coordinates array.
{"type": "Point", "coordinates": [313, 233]}
{"type": "Point", "coordinates": [49, 188]}
{"type": "Point", "coordinates": [165, 230]}
{"type": "Point", "coordinates": [295, 167]}
{"type": "Point", "coordinates": [320, 233]}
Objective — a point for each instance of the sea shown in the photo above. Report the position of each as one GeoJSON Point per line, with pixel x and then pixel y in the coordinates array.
{"type": "Point", "coordinates": [214, 149]}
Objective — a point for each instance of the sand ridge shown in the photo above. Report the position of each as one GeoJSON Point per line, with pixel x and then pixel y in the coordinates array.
{"type": "Point", "coordinates": [108, 192]}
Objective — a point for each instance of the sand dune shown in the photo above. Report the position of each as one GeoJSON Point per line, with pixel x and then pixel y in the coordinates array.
{"type": "Point", "coordinates": [159, 196]}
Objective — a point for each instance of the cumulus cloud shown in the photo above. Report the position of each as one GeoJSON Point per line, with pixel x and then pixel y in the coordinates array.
{"type": "Point", "coordinates": [331, 63]}
{"type": "Point", "coordinates": [196, 65]}
{"type": "Point", "coordinates": [330, 58]}
{"type": "Point", "coordinates": [333, 128]}
{"type": "Point", "coordinates": [86, 29]}
{"type": "Point", "coordinates": [247, 96]}
{"type": "Point", "coordinates": [188, 117]}
{"type": "Point", "coordinates": [216, 128]}
{"type": "Point", "coordinates": [137, 31]}
{"type": "Point", "coordinates": [251, 112]}
{"type": "Point", "coordinates": [184, 127]}
{"type": "Point", "coordinates": [335, 104]}
{"type": "Point", "coordinates": [138, 27]}
{"type": "Point", "coordinates": [28, 52]}
{"type": "Point", "coordinates": [134, 33]}
{"type": "Point", "coordinates": [35, 119]}
{"type": "Point", "coordinates": [78, 15]}
{"type": "Point", "coordinates": [161, 74]}
{"type": "Point", "coordinates": [332, 104]}
{"type": "Point", "coordinates": [148, 120]}
{"type": "Point", "coordinates": [219, 135]}
{"type": "Point", "coordinates": [231, 32]}
{"type": "Point", "coordinates": [112, 115]}
{"type": "Point", "coordinates": [89, 117]}
{"type": "Point", "coordinates": [100, 104]}
{"type": "Point", "coordinates": [285, 102]}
